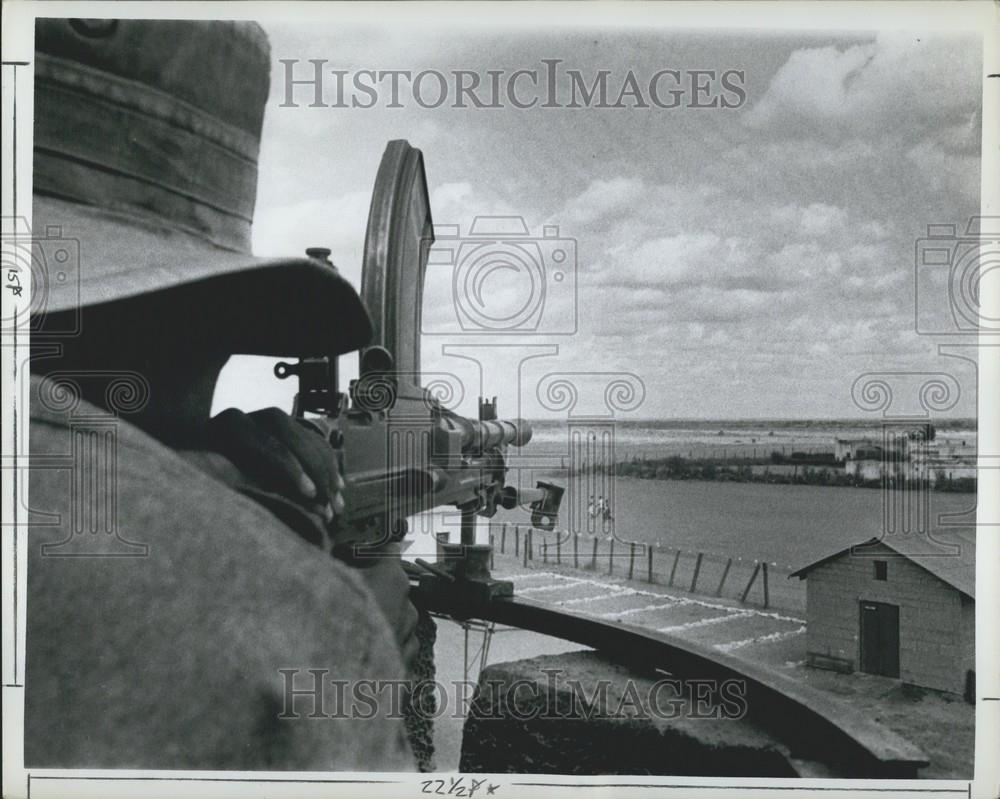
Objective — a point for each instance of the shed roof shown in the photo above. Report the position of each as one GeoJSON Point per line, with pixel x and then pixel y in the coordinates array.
{"type": "Point", "coordinates": [951, 558]}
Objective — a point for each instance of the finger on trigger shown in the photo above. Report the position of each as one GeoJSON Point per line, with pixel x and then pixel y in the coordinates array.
{"type": "Point", "coordinates": [306, 486]}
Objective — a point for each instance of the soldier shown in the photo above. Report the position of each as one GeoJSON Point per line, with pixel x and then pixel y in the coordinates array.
{"type": "Point", "coordinates": [163, 603]}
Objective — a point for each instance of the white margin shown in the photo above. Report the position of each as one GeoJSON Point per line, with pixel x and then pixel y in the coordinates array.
{"type": "Point", "coordinates": [979, 16]}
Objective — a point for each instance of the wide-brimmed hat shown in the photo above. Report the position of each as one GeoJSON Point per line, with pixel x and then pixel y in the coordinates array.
{"type": "Point", "coordinates": [146, 141]}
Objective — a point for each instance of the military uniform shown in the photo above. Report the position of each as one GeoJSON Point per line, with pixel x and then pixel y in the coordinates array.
{"type": "Point", "coordinates": [146, 142]}
{"type": "Point", "coordinates": [172, 660]}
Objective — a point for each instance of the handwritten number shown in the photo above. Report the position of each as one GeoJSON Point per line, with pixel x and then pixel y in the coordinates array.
{"type": "Point", "coordinates": [457, 787]}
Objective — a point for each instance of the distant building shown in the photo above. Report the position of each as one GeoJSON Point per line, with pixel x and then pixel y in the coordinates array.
{"type": "Point", "coordinates": [896, 440]}
{"type": "Point", "coordinates": [845, 449]}
{"type": "Point", "coordinates": [899, 606]}
{"type": "Point", "coordinates": [914, 455]}
{"type": "Point", "coordinates": [877, 468]}
{"type": "Point", "coordinates": [935, 469]}
{"type": "Point", "coordinates": [853, 448]}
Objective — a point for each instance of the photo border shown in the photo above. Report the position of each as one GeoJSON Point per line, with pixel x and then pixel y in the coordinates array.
{"type": "Point", "coordinates": [981, 17]}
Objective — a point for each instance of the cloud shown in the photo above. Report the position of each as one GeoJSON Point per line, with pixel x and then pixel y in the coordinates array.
{"type": "Point", "coordinates": [766, 285]}
{"type": "Point", "coordinates": [814, 220]}
{"type": "Point", "coordinates": [813, 83]}
{"type": "Point", "coordinates": [914, 81]}
{"type": "Point", "coordinates": [602, 200]}
{"type": "Point", "coordinates": [754, 260]}
{"type": "Point", "coordinates": [943, 172]}
{"type": "Point", "coordinates": [670, 260]}
{"type": "Point", "coordinates": [460, 202]}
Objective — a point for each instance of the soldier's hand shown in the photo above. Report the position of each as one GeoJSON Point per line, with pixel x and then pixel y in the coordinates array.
{"type": "Point", "coordinates": [281, 455]}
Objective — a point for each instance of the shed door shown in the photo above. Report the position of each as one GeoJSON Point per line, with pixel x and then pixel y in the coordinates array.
{"type": "Point", "coordinates": [880, 638]}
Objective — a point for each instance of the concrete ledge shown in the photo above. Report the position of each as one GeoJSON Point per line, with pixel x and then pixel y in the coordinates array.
{"type": "Point", "coordinates": [811, 723]}
{"type": "Point", "coordinates": [581, 713]}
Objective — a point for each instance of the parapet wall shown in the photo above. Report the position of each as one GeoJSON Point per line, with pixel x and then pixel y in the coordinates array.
{"type": "Point", "coordinates": [581, 713]}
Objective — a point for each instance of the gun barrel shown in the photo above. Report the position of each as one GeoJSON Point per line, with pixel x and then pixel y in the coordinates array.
{"type": "Point", "coordinates": [479, 436]}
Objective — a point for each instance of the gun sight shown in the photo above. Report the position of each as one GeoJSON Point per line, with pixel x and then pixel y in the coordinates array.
{"type": "Point", "coordinates": [480, 436]}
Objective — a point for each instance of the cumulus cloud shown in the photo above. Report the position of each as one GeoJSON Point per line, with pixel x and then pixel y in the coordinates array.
{"type": "Point", "coordinates": [770, 285]}
{"type": "Point", "coordinates": [669, 260]}
{"type": "Point", "coordinates": [758, 259]}
{"type": "Point", "coordinates": [461, 202]}
{"type": "Point", "coordinates": [909, 79]}
{"type": "Point", "coordinates": [814, 220]}
{"type": "Point", "coordinates": [944, 172]}
{"type": "Point", "coordinates": [603, 200]}
{"type": "Point", "coordinates": [814, 83]}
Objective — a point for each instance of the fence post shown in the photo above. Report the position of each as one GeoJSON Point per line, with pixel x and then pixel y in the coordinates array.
{"type": "Point", "coordinates": [524, 550]}
{"type": "Point", "coordinates": [753, 577]}
{"type": "Point", "coordinates": [631, 559]}
{"type": "Point", "coordinates": [576, 554]}
{"type": "Point", "coordinates": [503, 538]}
{"type": "Point", "coordinates": [697, 568]}
{"type": "Point", "coordinates": [593, 558]}
{"type": "Point", "coordinates": [725, 573]}
{"type": "Point", "coordinates": [544, 545]}
{"type": "Point", "coordinates": [673, 569]}
{"type": "Point", "coordinates": [491, 549]}
{"type": "Point", "coordinates": [517, 540]}
{"type": "Point", "coordinates": [530, 545]}
{"type": "Point", "coordinates": [649, 563]}
{"type": "Point", "coordinates": [558, 547]}
{"type": "Point", "coordinates": [763, 574]}
{"type": "Point", "coordinates": [611, 557]}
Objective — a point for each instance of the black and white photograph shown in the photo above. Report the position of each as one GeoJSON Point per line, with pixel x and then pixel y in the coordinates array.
{"type": "Point", "coordinates": [476, 398]}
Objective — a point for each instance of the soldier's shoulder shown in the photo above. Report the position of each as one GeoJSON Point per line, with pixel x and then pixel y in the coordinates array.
{"type": "Point", "coordinates": [197, 594]}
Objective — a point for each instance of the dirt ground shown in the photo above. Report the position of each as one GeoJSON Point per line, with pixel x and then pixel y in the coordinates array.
{"type": "Point", "coordinates": [941, 724]}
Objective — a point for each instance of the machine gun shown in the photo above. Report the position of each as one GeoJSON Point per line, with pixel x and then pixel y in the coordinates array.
{"type": "Point", "coordinates": [402, 452]}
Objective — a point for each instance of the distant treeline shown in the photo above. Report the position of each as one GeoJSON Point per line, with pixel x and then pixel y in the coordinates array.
{"type": "Point", "coordinates": [810, 470]}
{"type": "Point", "coordinates": [722, 426]}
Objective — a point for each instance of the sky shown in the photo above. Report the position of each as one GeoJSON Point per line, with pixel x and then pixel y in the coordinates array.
{"type": "Point", "coordinates": [745, 262]}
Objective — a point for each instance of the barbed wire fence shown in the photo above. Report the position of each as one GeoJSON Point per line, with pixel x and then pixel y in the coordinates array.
{"type": "Point", "coordinates": [750, 581]}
